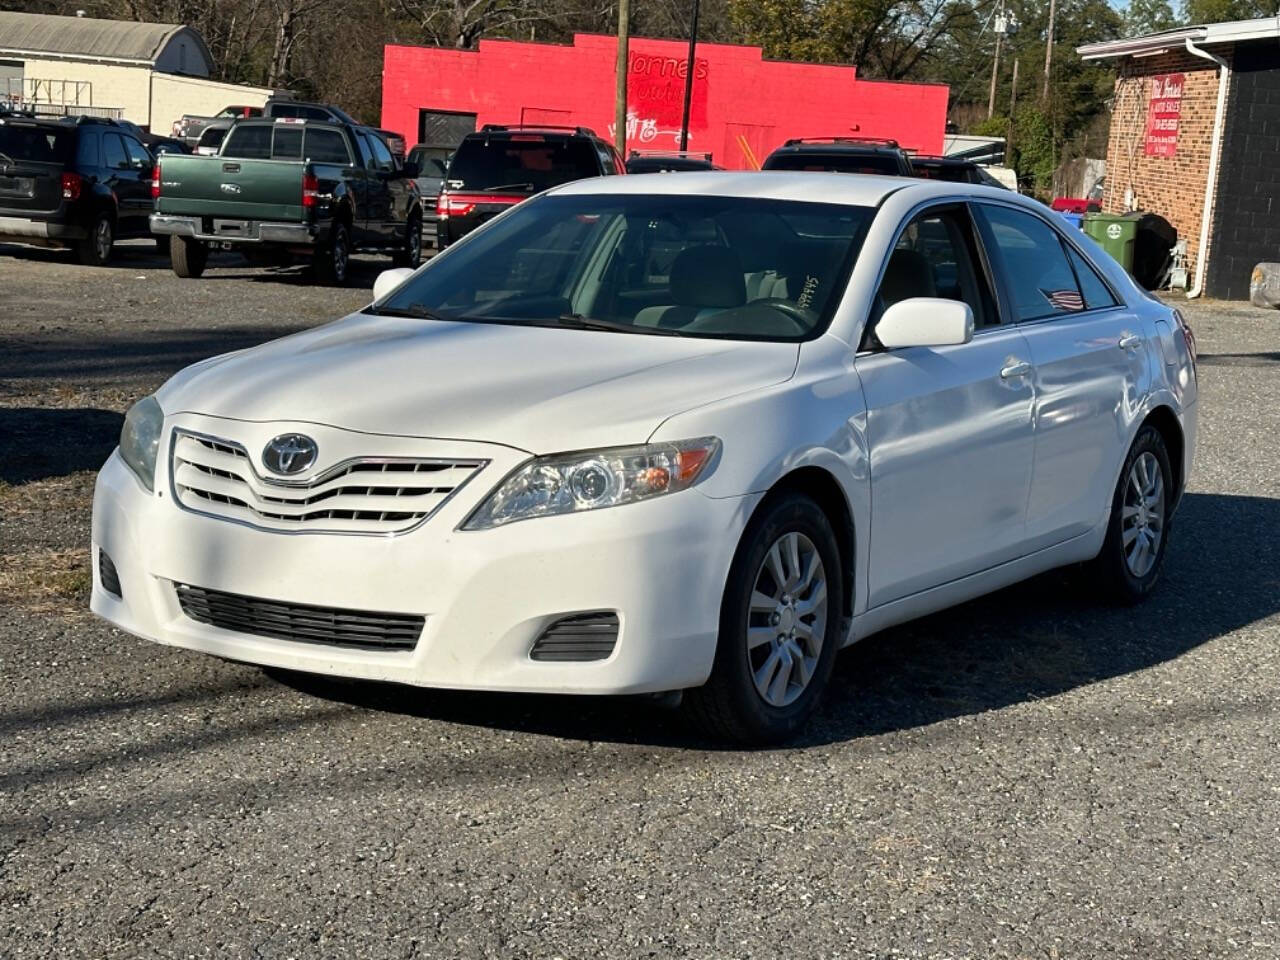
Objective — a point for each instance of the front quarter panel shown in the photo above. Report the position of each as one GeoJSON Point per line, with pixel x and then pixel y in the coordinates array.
{"type": "Point", "coordinates": [816, 419]}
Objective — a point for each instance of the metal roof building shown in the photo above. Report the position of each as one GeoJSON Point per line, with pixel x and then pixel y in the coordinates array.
{"type": "Point", "coordinates": [150, 73]}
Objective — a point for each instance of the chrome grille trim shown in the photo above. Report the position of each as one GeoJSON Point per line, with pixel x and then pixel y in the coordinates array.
{"type": "Point", "coordinates": [372, 496]}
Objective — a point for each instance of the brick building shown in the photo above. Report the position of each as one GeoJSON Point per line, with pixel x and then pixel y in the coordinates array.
{"type": "Point", "coordinates": [1195, 137]}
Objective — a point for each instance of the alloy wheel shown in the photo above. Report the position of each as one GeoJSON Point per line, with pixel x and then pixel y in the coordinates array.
{"type": "Point", "coordinates": [787, 619]}
{"type": "Point", "coordinates": [340, 256]}
{"type": "Point", "coordinates": [102, 240]}
{"type": "Point", "coordinates": [1142, 515]}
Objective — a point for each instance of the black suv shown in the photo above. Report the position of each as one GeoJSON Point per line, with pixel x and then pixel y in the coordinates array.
{"type": "Point", "coordinates": [500, 165]}
{"type": "Point", "coordinates": [81, 183]}
{"type": "Point", "coordinates": [841, 155]}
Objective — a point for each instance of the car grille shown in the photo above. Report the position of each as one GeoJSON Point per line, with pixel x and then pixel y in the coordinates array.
{"type": "Point", "coordinates": [362, 629]}
{"type": "Point", "coordinates": [577, 638]}
{"type": "Point", "coordinates": [366, 495]}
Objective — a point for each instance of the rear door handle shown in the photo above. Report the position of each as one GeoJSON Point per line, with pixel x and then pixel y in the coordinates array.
{"type": "Point", "coordinates": [1129, 341]}
{"type": "Point", "coordinates": [1019, 369]}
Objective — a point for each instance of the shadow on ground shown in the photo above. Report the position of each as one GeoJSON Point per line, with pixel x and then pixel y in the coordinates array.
{"type": "Point", "coordinates": [41, 442]}
{"type": "Point", "coordinates": [1030, 641]}
{"type": "Point", "coordinates": [144, 353]}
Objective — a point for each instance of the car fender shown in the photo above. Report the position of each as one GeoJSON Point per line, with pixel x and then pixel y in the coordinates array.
{"type": "Point", "coordinates": [815, 419]}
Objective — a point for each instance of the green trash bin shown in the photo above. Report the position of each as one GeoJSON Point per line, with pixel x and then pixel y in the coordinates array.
{"type": "Point", "coordinates": [1115, 233]}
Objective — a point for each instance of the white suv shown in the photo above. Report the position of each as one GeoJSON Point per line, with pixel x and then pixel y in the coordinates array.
{"type": "Point", "coordinates": [639, 434]}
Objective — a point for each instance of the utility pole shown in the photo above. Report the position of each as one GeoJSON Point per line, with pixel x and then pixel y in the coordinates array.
{"type": "Point", "coordinates": [688, 78]}
{"type": "Point", "coordinates": [995, 65]}
{"type": "Point", "coordinates": [1013, 107]}
{"type": "Point", "coordinates": [1048, 47]}
{"type": "Point", "coordinates": [620, 98]}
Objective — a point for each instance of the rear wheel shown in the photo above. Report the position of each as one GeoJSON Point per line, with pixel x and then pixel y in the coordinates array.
{"type": "Point", "coordinates": [779, 627]}
{"type": "Point", "coordinates": [1132, 555]}
{"type": "Point", "coordinates": [332, 260]}
{"type": "Point", "coordinates": [95, 249]}
{"type": "Point", "coordinates": [187, 256]}
{"type": "Point", "coordinates": [411, 255]}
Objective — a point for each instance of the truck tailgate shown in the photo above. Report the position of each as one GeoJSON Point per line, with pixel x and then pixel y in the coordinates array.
{"type": "Point", "coordinates": [231, 188]}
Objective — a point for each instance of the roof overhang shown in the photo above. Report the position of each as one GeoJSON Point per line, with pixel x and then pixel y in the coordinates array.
{"type": "Point", "coordinates": [1235, 31]}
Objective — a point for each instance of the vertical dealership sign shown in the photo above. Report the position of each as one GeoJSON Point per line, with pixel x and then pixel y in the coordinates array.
{"type": "Point", "coordinates": [1164, 109]}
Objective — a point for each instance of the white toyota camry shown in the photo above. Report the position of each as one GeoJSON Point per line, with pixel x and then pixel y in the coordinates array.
{"type": "Point", "coordinates": [692, 432]}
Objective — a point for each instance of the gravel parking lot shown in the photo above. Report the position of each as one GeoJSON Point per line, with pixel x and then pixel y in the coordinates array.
{"type": "Point", "coordinates": [1029, 776]}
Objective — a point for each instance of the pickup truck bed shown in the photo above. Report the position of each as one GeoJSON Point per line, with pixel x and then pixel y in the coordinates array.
{"type": "Point", "coordinates": [268, 195]}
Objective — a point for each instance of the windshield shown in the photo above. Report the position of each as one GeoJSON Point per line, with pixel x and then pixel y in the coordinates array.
{"type": "Point", "coordinates": [43, 144]}
{"type": "Point", "coordinates": [698, 266]}
{"type": "Point", "coordinates": [836, 162]}
{"type": "Point", "coordinates": [525, 163]}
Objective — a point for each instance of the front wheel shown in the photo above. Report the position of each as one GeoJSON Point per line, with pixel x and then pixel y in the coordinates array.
{"type": "Point", "coordinates": [779, 627]}
{"type": "Point", "coordinates": [1132, 555]}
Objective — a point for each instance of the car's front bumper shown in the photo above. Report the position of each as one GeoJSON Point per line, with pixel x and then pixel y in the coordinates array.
{"type": "Point", "coordinates": [486, 595]}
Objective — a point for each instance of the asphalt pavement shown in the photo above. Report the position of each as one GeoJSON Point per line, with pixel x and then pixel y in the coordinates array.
{"type": "Point", "coordinates": [1031, 775]}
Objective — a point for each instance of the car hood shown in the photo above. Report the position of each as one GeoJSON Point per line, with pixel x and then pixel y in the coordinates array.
{"type": "Point", "coordinates": [537, 389]}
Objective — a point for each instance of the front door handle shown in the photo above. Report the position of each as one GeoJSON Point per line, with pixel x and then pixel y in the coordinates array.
{"type": "Point", "coordinates": [1129, 341]}
{"type": "Point", "coordinates": [1019, 368]}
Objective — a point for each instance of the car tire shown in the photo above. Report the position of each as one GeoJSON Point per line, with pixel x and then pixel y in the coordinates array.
{"type": "Point", "coordinates": [95, 249]}
{"type": "Point", "coordinates": [746, 700]}
{"type": "Point", "coordinates": [187, 256]}
{"type": "Point", "coordinates": [1128, 566]}
{"type": "Point", "coordinates": [411, 255]}
{"type": "Point", "coordinates": [332, 260]}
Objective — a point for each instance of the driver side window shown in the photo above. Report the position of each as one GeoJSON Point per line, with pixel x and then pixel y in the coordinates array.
{"type": "Point", "coordinates": [937, 256]}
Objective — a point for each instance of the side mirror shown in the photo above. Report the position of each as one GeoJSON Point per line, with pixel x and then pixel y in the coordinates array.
{"type": "Point", "coordinates": [410, 170]}
{"type": "Point", "coordinates": [925, 322]}
{"type": "Point", "coordinates": [388, 280]}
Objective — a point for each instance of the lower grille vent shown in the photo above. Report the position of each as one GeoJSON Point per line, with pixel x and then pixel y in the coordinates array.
{"type": "Point", "coordinates": [107, 574]}
{"type": "Point", "coordinates": [295, 621]}
{"type": "Point", "coordinates": [583, 636]}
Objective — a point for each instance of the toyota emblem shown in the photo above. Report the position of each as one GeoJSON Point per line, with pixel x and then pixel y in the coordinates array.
{"type": "Point", "coordinates": [290, 453]}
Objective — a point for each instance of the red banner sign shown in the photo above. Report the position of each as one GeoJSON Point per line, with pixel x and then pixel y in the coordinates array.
{"type": "Point", "coordinates": [1164, 109]}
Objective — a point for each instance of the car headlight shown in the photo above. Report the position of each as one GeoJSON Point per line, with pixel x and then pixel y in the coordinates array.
{"type": "Point", "coordinates": [569, 483]}
{"type": "Point", "coordinates": [140, 439]}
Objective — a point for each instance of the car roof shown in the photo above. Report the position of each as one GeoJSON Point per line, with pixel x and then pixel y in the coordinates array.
{"type": "Point", "coordinates": [860, 190]}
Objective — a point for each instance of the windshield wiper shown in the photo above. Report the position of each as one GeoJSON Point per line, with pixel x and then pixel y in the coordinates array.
{"type": "Point", "coordinates": [510, 186]}
{"type": "Point", "coordinates": [580, 322]}
{"type": "Point", "coordinates": [417, 311]}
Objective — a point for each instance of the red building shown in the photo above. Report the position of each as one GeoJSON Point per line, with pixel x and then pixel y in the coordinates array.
{"type": "Point", "coordinates": [743, 105]}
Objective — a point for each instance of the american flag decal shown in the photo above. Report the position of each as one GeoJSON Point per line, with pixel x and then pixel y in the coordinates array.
{"type": "Point", "coordinates": [1064, 299]}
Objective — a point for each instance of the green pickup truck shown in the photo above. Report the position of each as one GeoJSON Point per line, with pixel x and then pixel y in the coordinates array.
{"type": "Point", "coordinates": [286, 187]}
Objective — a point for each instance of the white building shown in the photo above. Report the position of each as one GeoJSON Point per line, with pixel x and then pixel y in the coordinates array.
{"type": "Point", "coordinates": [150, 73]}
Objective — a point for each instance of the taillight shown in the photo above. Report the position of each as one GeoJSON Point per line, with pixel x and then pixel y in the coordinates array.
{"type": "Point", "coordinates": [1188, 337]}
{"type": "Point", "coordinates": [310, 189]}
{"type": "Point", "coordinates": [155, 181]}
{"type": "Point", "coordinates": [447, 206]}
{"type": "Point", "coordinates": [71, 183]}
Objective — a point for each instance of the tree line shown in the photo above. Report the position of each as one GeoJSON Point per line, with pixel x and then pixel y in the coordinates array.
{"type": "Point", "coordinates": [331, 50]}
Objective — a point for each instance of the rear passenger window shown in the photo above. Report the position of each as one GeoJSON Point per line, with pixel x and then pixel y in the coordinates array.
{"type": "Point", "coordinates": [1096, 293]}
{"type": "Point", "coordinates": [1040, 277]}
{"type": "Point", "coordinates": [288, 143]}
{"type": "Point", "coordinates": [113, 155]}
{"type": "Point", "coordinates": [326, 146]}
{"type": "Point", "coordinates": [249, 142]}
